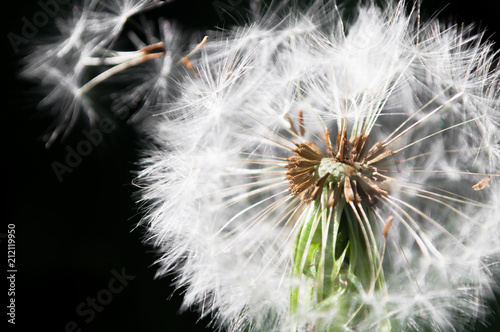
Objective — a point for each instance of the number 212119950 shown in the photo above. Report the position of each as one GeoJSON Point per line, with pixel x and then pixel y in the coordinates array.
{"type": "Point", "coordinates": [11, 246]}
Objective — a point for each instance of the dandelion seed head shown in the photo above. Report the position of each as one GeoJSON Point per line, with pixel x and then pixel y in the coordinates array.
{"type": "Point", "coordinates": [298, 148]}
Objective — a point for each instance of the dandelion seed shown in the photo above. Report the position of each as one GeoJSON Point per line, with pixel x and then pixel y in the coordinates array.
{"type": "Point", "coordinates": [62, 65]}
{"type": "Point", "coordinates": [482, 183]}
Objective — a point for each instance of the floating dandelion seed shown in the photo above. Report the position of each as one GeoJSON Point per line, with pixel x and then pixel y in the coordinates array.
{"type": "Point", "coordinates": [273, 223]}
{"type": "Point", "coordinates": [61, 65]}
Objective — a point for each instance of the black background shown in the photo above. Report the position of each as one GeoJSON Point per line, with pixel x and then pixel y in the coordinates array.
{"type": "Point", "coordinates": [70, 235]}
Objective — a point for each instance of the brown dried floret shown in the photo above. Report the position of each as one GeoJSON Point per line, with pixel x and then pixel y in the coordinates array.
{"type": "Point", "coordinates": [361, 181]}
{"type": "Point", "coordinates": [302, 166]}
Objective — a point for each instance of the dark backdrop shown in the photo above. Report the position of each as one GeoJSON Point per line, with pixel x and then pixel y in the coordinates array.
{"type": "Point", "coordinates": [74, 237]}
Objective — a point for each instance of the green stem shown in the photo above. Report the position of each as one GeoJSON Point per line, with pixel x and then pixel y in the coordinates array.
{"type": "Point", "coordinates": [334, 259]}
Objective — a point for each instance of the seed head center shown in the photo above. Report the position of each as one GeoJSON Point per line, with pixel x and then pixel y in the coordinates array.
{"type": "Point", "coordinates": [349, 171]}
{"type": "Point", "coordinates": [335, 168]}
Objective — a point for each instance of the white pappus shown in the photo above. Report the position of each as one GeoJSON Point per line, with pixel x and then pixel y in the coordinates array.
{"type": "Point", "coordinates": [319, 177]}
